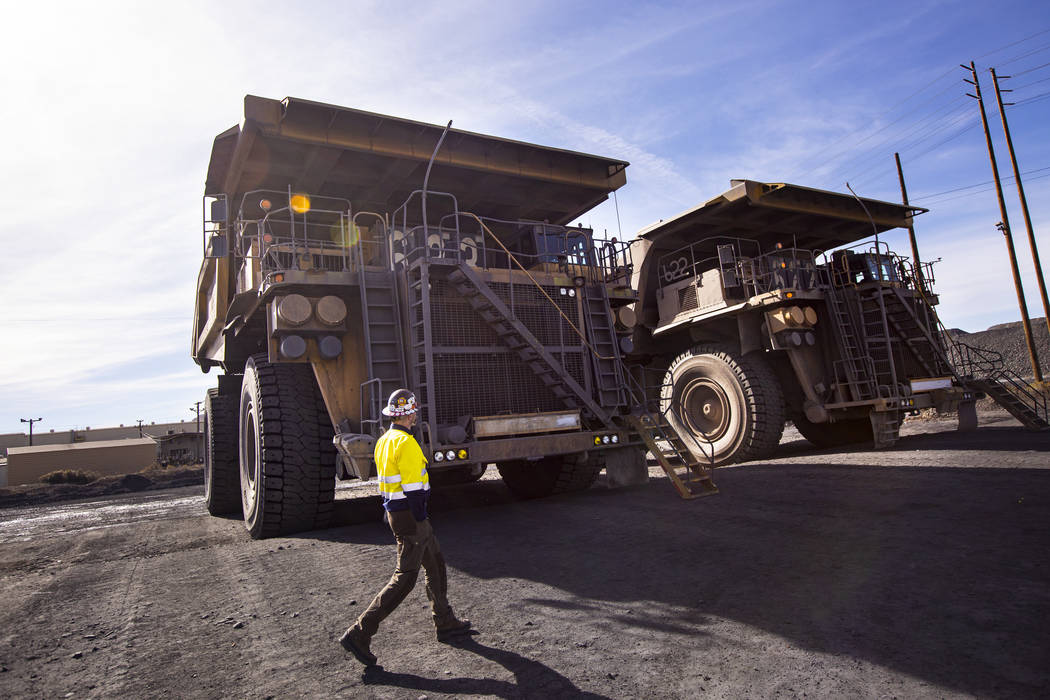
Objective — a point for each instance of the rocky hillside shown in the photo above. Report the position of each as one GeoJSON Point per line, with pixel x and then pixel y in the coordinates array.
{"type": "Point", "coordinates": [1008, 340]}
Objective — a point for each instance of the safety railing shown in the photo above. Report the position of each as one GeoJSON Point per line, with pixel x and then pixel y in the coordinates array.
{"type": "Point", "coordinates": [282, 231]}
{"type": "Point", "coordinates": [648, 396]}
{"type": "Point", "coordinates": [690, 260]}
{"type": "Point", "coordinates": [783, 268]}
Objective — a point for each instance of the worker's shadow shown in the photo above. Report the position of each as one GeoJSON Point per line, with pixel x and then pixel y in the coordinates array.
{"type": "Point", "coordinates": [532, 679]}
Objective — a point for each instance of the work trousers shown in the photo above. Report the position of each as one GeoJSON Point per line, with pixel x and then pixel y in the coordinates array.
{"type": "Point", "coordinates": [420, 548]}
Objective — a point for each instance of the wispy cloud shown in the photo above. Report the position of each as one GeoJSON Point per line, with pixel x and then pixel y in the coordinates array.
{"type": "Point", "coordinates": [110, 126]}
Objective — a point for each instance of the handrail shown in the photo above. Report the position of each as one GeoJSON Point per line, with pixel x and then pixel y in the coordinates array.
{"type": "Point", "coordinates": [538, 286]}
{"type": "Point", "coordinates": [671, 406]}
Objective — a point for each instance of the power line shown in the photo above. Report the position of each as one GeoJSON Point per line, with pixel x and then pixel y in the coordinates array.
{"type": "Point", "coordinates": [925, 87]}
{"type": "Point", "coordinates": [1032, 99]}
{"type": "Point", "coordinates": [886, 126]}
{"type": "Point", "coordinates": [876, 149]}
{"type": "Point", "coordinates": [1021, 41]}
{"type": "Point", "coordinates": [941, 143]}
{"type": "Point", "coordinates": [1044, 47]}
{"type": "Point", "coordinates": [1029, 70]}
{"type": "Point", "coordinates": [1022, 87]}
{"type": "Point", "coordinates": [857, 163]}
{"type": "Point", "coordinates": [979, 184]}
{"type": "Point", "coordinates": [977, 192]}
{"type": "Point", "coordinates": [916, 156]}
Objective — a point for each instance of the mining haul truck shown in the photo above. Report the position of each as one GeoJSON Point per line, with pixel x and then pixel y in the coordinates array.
{"type": "Point", "coordinates": [766, 304]}
{"type": "Point", "coordinates": [347, 254]}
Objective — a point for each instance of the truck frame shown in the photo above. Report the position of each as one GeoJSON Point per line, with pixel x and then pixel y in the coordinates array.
{"type": "Point", "coordinates": [766, 304]}
{"type": "Point", "coordinates": [347, 254]}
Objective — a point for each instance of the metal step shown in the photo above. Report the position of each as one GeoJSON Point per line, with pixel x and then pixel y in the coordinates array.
{"type": "Point", "coordinates": [1028, 414]}
{"type": "Point", "coordinates": [690, 478]}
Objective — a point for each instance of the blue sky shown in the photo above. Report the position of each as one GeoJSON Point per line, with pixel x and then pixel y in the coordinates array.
{"type": "Point", "coordinates": [110, 110]}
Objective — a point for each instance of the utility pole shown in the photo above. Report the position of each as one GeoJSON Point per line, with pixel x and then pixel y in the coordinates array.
{"type": "Point", "coordinates": [196, 443]}
{"type": "Point", "coordinates": [1024, 200]}
{"type": "Point", "coordinates": [31, 421]}
{"type": "Point", "coordinates": [1004, 226]}
{"type": "Point", "coordinates": [911, 229]}
{"type": "Point", "coordinates": [140, 422]}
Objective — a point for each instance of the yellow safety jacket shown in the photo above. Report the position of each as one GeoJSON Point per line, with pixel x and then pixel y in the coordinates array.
{"type": "Point", "coordinates": [403, 480]}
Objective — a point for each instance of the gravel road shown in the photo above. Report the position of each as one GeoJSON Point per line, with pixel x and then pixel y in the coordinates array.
{"type": "Point", "coordinates": [923, 571]}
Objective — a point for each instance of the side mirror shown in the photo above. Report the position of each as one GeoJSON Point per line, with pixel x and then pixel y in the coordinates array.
{"type": "Point", "coordinates": [217, 247]}
{"type": "Point", "coordinates": [218, 211]}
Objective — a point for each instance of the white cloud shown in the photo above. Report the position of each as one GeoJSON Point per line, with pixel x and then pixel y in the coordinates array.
{"type": "Point", "coordinates": [110, 122]}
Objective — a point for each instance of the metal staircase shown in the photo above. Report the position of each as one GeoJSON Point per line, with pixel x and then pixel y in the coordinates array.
{"type": "Point", "coordinates": [1013, 394]}
{"type": "Point", "coordinates": [691, 477]}
{"type": "Point", "coordinates": [982, 370]}
{"type": "Point", "coordinates": [914, 333]}
{"type": "Point", "coordinates": [518, 338]}
{"type": "Point", "coordinates": [977, 368]}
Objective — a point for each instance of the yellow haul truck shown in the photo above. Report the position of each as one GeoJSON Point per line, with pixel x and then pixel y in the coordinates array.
{"type": "Point", "coordinates": [748, 320]}
{"type": "Point", "coordinates": [347, 254]}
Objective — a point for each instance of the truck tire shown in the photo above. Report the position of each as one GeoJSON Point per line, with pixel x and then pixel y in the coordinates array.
{"type": "Point", "coordinates": [843, 432]}
{"type": "Point", "coordinates": [549, 475]}
{"type": "Point", "coordinates": [222, 489]}
{"type": "Point", "coordinates": [732, 405]}
{"type": "Point", "coordinates": [287, 459]}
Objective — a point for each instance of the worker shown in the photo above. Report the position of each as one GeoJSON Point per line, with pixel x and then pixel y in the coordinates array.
{"type": "Point", "coordinates": [405, 488]}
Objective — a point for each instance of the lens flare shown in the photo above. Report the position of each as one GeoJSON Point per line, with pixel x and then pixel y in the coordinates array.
{"type": "Point", "coordinates": [345, 234]}
{"type": "Point", "coordinates": [300, 203]}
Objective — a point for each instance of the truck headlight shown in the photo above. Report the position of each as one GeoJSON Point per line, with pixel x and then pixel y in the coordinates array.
{"type": "Point", "coordinates": [450, 455]}
{"type": "Point", "coordinates": [439, 456]}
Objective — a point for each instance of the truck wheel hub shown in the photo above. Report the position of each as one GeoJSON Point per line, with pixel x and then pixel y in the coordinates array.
{"type": "Point", "coordinates": [706, 409]}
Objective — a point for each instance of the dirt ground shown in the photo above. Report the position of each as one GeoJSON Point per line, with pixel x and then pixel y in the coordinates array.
{"type": "Point", "coordinates": [923, 571]}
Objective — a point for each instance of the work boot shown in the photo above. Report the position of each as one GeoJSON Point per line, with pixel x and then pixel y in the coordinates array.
{"type": "Point", "coordinates": [450, 627]}
{"type": "Point", "coordinates": [355, 641]}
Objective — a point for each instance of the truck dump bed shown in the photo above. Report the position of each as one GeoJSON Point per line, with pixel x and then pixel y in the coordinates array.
{"type": "Point", "coordinates": [377, 161]}
{"type": "Point", "coordinates": [768, 213]}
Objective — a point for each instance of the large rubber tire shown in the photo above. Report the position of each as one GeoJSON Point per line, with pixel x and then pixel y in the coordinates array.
{"type": "Point", "coordinates": [843, 432]}
{"type": "Point", "coordinates": [222, 487]}
{"type": "Point", "coordinates": [551, 475]}
{"type": "Point", "coordinates": [732, 405]}
{"type": "Point", "coordinates": [287, 459]}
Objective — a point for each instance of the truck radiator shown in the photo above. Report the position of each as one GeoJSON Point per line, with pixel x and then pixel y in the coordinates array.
{"type": "Point", "coordinates": [476, 374]}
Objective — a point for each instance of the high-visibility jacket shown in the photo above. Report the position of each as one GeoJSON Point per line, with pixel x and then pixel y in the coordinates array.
{"type": "Point", "coordinates": [403, 480]}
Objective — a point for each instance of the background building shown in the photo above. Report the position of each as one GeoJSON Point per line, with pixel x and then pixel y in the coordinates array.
{"type": "Point", "coordinates": [25, 465]}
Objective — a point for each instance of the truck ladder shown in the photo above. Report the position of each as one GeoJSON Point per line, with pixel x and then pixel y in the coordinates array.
{"type": "Point", "coordinates": [879, 344]}
{"type": "Point", "coordinates": [518, 338]}
{"type": "Point", "coordinates": [691, 478]}
{"type": "Point", "coordinates": [601, 334]}
{"type": "Point", "coordinates": [384, 350]}
{"type": "Point", "coordinates": [421, 344]}
{"type": "Point", "coordinates": [858, 365]}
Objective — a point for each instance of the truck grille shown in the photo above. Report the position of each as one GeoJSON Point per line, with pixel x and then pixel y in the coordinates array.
{"type": "Point", "coordinates": [476, 374]}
